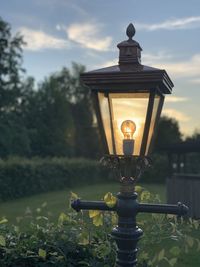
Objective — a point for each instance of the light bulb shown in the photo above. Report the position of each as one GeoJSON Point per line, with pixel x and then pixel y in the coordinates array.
{"type": "Point", "coordinates": [128, 129]}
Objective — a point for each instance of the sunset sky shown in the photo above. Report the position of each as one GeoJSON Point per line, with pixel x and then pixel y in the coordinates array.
{"type": "Point", "coordinates": [58, 32]}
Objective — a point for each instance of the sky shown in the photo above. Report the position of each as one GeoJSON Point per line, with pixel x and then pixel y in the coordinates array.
{"type": "Point", "coordinates": [59, 32]}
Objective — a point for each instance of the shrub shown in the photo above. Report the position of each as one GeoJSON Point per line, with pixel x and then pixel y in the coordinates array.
{"type": "Point", "coordinates": [74, 241]}
{"type": "Point", "coordinates": [71, 241]}
{"type": "Point", "coordinates": [158, 172]}
{"type": "Point", "coordinates": [23, 177]}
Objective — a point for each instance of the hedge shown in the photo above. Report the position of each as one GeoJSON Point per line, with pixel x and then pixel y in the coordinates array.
{"type": "Point", "coordinates": [24, 177]}
{"type": "Point", "coordinates": [158, 172]}
{"type": "Point", "coordinates": [21, 177]}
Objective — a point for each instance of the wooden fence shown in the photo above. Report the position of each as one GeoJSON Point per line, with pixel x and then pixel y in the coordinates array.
{"type": "Point", "coordinates": [185, 188]}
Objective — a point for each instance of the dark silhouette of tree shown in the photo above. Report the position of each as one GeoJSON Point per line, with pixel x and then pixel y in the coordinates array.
{"type": "Point", "coordinates": [10, 68]}
{"type": "Point", "coordinates": [49, 120]}
{"type": "Point", "coordinates": [86, 134]}
{"type": "Point", "coordinates": [13, 135]}
{"type": "Point", "coordinates": [61, 117]}
{"type": "Point", "coordinates": [168, 133]}
{"type": "Point", "coordinates": [195, 137]}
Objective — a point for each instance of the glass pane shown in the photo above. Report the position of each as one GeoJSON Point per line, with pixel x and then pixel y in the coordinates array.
{"type": "Point", "coordinates": [105, 115]}
{"type": "Point", "coordinates": [153, 120]}
{"type": "Point", "coordinates": [130, 107]}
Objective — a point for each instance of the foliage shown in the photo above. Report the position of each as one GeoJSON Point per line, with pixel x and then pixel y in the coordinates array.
{"type": "Point", "coordinates": [23, 177]}
{"type": "Point", "coordinates": [168, 133]}
{"type": "Point", "coordinates": [13, 134]}
{"type": "Point", "coordinates": [193, 158]}
{"type": "Point", "coordinates": [59, 116]}
{"type": "Point", "coordinates": [75, 241]}
{"type": "Point", "coordinates": [10, 68]}
{"type": "Point", "coordinates": [48, 119]}
{"type": "Point", "coordinates": [54, 118]}
{"type": "Point", "coordinates": [71, 241]}
{"type": "Point", "coordinates": [195, 137]}
{"type": "Point", "coordinates": [158, 171]}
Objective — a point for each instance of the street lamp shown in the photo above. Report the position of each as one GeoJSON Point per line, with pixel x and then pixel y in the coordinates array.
{"type": "Point", "coordinates": [128, 100]}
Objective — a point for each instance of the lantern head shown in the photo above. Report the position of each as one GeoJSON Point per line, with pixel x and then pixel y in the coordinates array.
{"type": "Point", "coordinates": [128, 99]}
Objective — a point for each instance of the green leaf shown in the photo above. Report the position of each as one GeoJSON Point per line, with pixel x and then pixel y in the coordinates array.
{"type": "Point", "coordinates": [145, 195]}
{"type": "Point", "coordinates": [38, 210]}
{"type": "Point", "coordinates": [44, 204]}
{"type": "Point", "coordinates": [2, 241]}
{"type": "Point", "coordinates": [110, 200]}
{"type": "Point", "coordinates": [190, 241]}
{"type": "Point", "coordinates": [138, 189]}
{"type": "Point", "coordinates": [84, 241]}
{"type": "Point", "coordinates": [4, 220]}
{"type": "Point", "coordinates": [161, 255]}
{"type": "Point", "coordinates": [144, 255]}
{"type": "Point", "coordinates": [73, 196]}
{"type": "Point", "coordinates": [42, 253]}
{"type": "Point", "coordinates": [98, 220]}
{"type": "Point", "coordinates": [84, 238]}
{"type": "Point", "coordinates": [53, 253]}
{"type": "Point", "coordinates": [114, 218]}
{"type": "Point", "coordinates": [175, 251]}
{"type": "Point", "coordinates": [172, 261]}
{"type": "Point", "coordinates": [93, 213]}
{"type": "Point", "coordinates": [103, 250]}
{"type": "Point", "coordinates": [63, 218]}
{"type": "Point", "coordinates": [196, 224]}
{"type": "Point", "coordinates": [96, 216]}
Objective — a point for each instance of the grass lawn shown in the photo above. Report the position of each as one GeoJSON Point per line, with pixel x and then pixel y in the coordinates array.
{"type": "Point", "coordinates": [58, 201]}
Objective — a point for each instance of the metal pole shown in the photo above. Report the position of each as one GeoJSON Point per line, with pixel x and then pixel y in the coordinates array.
{"type": "Point", "coordinates": [126, 234]}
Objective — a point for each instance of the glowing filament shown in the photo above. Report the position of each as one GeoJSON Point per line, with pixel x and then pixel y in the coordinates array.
{"type": "Point", "coordinates": [128, 129]}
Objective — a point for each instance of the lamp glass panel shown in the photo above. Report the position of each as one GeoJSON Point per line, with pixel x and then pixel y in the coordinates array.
{"type": "Point", "coordinates": [157, 100]}
{"type": "Point", "coordinates": [128, 106]}
{"type": "Point", "coordinates": [105, 116]}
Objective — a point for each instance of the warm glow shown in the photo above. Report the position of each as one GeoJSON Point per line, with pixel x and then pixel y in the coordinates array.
{"type": "Point", "coordinates": [124, 107]}
{"type": "Point", "coordinates": [132, 107]}
{"type": "Point", "coordinates": [128, 128]}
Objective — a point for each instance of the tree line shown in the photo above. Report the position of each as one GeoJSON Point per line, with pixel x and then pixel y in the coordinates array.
{"type": "Point", "coordinates": [54, 117]}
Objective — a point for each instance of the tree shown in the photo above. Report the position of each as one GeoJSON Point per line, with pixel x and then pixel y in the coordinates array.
{"type": "Point", "coordinates": [10, 68]}
{"type": "Point", "coordinates": [13, 134]}
{"type": "Point", "coordinates": [63, 123]}
{"type": "Point", "coordinates": [57, 119]}
{"type": "Point", "coordinates": [195, 137]}
{"type": "Point", "coordinates": [86, 135]}
{"type": "Point", "coordinates": [48, 119]}
{"type": "Point", "coordinates": [168, 133]}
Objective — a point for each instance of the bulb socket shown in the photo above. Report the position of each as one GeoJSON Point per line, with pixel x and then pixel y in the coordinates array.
{"type": "Point", "coordinates": [128, 147]}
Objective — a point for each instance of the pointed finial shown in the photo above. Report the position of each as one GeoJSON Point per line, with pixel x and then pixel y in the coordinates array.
{"type": "Point", "coordinates": [130, 31]}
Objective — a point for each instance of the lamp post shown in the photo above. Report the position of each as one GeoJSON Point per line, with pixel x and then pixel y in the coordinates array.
{"type": "Point", "coordinates": [128, 99]}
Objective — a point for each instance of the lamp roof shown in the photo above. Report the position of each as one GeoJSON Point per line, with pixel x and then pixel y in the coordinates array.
{"type": "Point", "coordinates": [129, 73]}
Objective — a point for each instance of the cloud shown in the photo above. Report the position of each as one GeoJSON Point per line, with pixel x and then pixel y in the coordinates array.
{"type": "Point", "coordinates": [180, 116]}
{"type": "Point", "coordinates": [189, 68]}
{"type": "Point", "coordinates": [87, 35]}
{"type": "Point", "coordinates": [175, 99]}
{"type": "Point", "coordinates": [39, 40]}
{"type": "Point", "coordinates": [195, 81]}
{"type": "Point", "coordinates": [172, 24]}
{"type": "Point", "coordinates": [58, 27]}
{"type": "Point", "coordinates": [109, 63]}
{"type": "Point", "coordinates": [159, 57]}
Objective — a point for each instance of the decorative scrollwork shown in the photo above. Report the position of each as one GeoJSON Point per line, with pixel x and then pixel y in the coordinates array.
{"type": "Point", "coordinates": [126, 167]}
